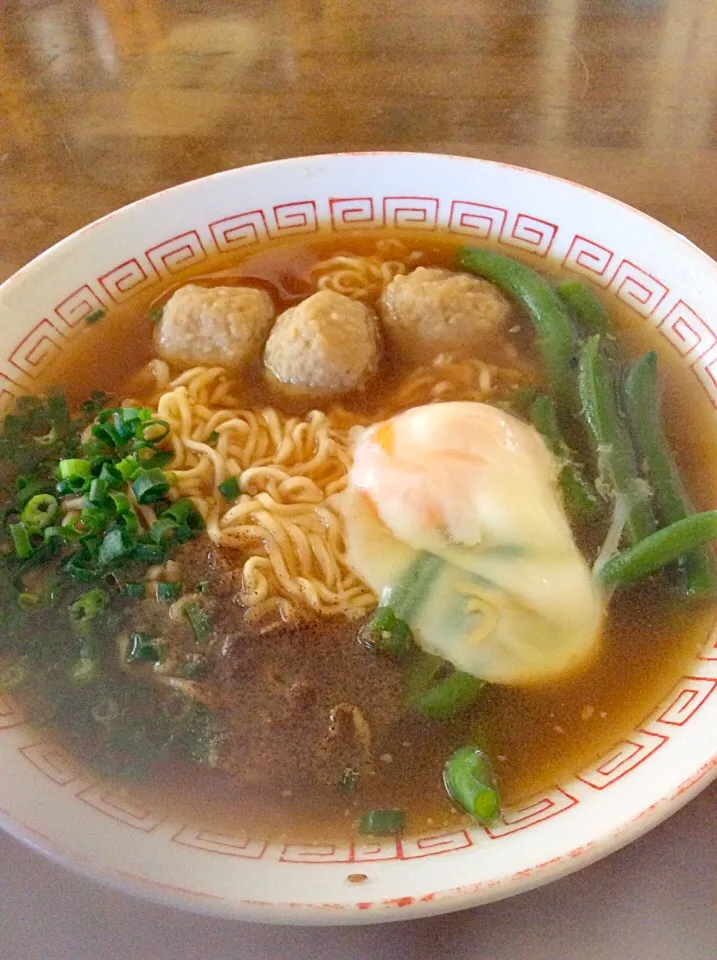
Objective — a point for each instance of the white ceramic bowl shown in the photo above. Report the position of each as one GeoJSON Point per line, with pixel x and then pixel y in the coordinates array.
{"type": "Point", "coordinates": [49, 802]}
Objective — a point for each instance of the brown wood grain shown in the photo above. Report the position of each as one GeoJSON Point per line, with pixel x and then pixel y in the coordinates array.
{"type": "Point", "coordinates": [104, 101]}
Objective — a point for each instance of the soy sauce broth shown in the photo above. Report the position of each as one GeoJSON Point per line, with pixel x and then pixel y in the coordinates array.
{"type": "Point", "coordinates": [536, 736]}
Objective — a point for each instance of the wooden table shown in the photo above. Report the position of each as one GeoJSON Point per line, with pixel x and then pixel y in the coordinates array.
{"type": "Point", "coordinates": [103, 102]}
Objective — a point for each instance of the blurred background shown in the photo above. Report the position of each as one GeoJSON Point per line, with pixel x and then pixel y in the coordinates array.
{"type": "Point", "coordinates": [104, 101]}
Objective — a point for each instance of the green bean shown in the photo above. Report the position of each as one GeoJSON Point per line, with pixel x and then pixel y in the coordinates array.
{"type": "Point", "coordinates": [550, 316]}
{"type": "Point", "coordinates": [470, 781]}
{"type": "Point", "coordinates": [579, 494]}
{"type": "Point", "coordinates": [613, 446]}
{"type": "Point", "coordinates": [413, 586]}
{"type": "Point", "coordinates": [696, 571]}
{"type": "Point", "coordinates": [387, 633]}
{"type": "Point", "coordinates": [423, 668]}
{"type": "Point", "coordinates": [589, 312]}
{"type": "Point", "coordinates": [382, 823]}
{"type": "Point", "coordinates": [450, 696]}
{"type": "Point", "coordinates": [659, 549]}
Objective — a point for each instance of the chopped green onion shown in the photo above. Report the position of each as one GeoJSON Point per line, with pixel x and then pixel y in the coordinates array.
{"type": "Point", "coordinates": [184, 511]}
{"type": "Point", "coordinates": [94, 518]}
{"type": "Point", "coordinates": [144, 649]}
{"type": "Point", "coordinates": [203, 586]}
{"type": "Point", "coordinates": [149, 553]}
{"type": "Point", "coordinates": [121, 504]}
{"type": "Point", "coordinates": [199, 622]}
{"type": "Point", "coordinates": [132, 414]}
{"type": "Point", "coordinates": [88, 606]}
{"type": "Point", "coordinates": [94, 317]}
{"type": "Point", "coordinates": [113, 547]}
{"type": "Point", "coordinates": [98, 491]}
{"type": "Point", "coordinates": [21, 540]}
{"type": "Point", "coordinates": [39, 512]}
{"type": "Point", "coordinates": [349, 780]}
{"type": "Point", "coordinates": [27, 487]}
{"type": "Point", "coordinates": [111, 476]}
{"type": "Point", "coordinates": [163, 530]}
{"type": "Point", "coordinates": [149, 457]}
{"type": "Point", "coordinates": [213, 437]}
{"type": "Point", "coordinates": [128, 468]}
{"type": "Point", "coordinates": [150, 486]}
{"type": "Point", "coordinates": [229, 488]}
{"type": "Point", "coordinates": [168, 592]}
{"type": "Point", "coordinates": [382, 823]}
{"type": "Point", "coordinates": [154, 314]}
{"type": "Point", "coordinates": [65, 533]}
{"type": "Point", "coordinates": [129, 523]}
{"type": "Point", "coordinates": [73, 468]}
{"type": "Point", "coordinates": [28, 600]}
{"type": "Point", "coordinates": [134, 590]}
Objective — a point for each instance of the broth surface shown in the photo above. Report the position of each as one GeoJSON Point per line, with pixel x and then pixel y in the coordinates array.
{"type": "Point", "coordinates": [535, 736]}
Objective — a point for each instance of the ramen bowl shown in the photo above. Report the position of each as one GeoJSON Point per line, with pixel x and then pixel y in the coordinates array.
{"type": "Point", "coordinates": [56, 806]}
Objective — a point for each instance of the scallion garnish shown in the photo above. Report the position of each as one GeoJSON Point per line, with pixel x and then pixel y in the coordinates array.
{"type": "Point", "coordinates": [134, 590]}
{"type": "Point", "coordinates": [168, 592]}
{"type": "Point", "coordinates": [20, 539]}
{"type": "Point", "coordinates": [94, 317]}
{"type": "Point", "coordinates": [73, 468]}
{"type": "Point", "coordinates": [382, 823]}
{"type": "Point", "coordinates": [199, 621]}
{"type": "Point", "coordinates": [142, 648]}
{"type": "Point", "coordinates": [28, 600]}
{"type": "Point", "coordinates": [349, 780]}
{"type": "Point", "coordinates": [150, 486]}
{"type": "Point", "coordinates": [39, 512]}
{"type": "Point", "coordinates": [98, 491]}
{"type": "Point", "coordinates": [87, 607]}
{"type": "Point", "coordinates": [114, 546]}
{"type": "Point", "coordinates": [128, 468]}
{"type": "Point", "coordinates": [229, 488]}
{"type": "Point", "coordinates": [121, 504]}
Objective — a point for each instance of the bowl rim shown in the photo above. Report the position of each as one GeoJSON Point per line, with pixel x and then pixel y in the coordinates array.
{"type": "Point", "coordinates": [442, 901]}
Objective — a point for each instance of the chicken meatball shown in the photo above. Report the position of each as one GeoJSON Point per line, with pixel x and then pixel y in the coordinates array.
{"type": "Point", "coordinates": [226, 326]}
{"type": "Point", "coordinates": [431, 310]}
{"type": "Point", "coordinates": [326, 345]}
